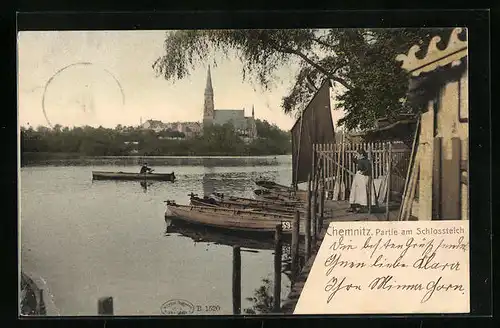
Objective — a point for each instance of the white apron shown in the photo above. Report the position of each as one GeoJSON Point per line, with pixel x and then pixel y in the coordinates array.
{"type": "Point", "coordinates": [359, 190]}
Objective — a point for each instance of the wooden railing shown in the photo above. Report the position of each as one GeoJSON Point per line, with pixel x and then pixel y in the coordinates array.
{"type": "Point", "coordinates": [336, 161]}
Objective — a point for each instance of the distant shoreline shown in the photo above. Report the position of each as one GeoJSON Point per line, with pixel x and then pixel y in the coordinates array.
{"type": "Point", "coordinates": [35, 159]}
{"type": "Point", "coordinates": [45, 155]}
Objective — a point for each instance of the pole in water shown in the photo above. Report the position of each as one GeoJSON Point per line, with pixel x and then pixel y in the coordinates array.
{"type": "Point", "coordinates": [277, 268]}
{"type": "Point", "coordinates": [236, 280]}
{"type": "Point", "coordinates": [105, 306]}
{"type": "Point", "coordinates": [295, 244]}
{"type": "Point", "coordinates": [41, 303]}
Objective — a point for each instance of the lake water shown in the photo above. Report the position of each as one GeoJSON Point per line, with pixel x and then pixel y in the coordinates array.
{"type": "Point", "coordinates": [85, 240]}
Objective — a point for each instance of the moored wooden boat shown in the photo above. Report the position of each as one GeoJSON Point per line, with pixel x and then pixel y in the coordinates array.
{"type": "Point", "coordinates": [281, 190]}
{"type": "Point", "coordinates": [267, 194]}
{"type": "Point", "coordinates": [301, 195]}
{"type": "Point", "coordinates": [205, 201]}
{"type": "Point", "coordinates": [290, 203]}
{"type": "Point", "coordinates": [102, 175]}
{"type": "Point", "coordinates": [283, 201]}
{"type": "Point", "coordinates": [272, 185]}
{"type": "Point", "coordinates": [261, 201]}
{"type": "Point", "coordinates": [235, 204]}
{"type": "Point", "coordinates": [232, 219]}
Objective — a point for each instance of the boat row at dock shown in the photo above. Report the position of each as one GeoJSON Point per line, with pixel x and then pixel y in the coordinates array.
{"type": "Point", "coordinates": [273, 205]}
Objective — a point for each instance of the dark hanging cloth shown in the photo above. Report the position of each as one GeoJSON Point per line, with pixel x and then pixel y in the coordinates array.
{"type": "Point", "coordinates": [317, 128]}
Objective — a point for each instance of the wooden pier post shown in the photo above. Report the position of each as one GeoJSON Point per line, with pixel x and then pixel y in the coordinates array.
{"type": "Point", "coordinates": [321, 206]}
{"type": "Point", "coordinates": [236, 280]}
{"type": "Point", "coordinates": [436, 179]}
{"type": "Point", "coordinates": [370, 179]}
{"type": "Point", "coordinates": [41, 303]}
{"type": "Point", "coordinates": [314, 204]}
{"type": "Point", "coordinates": [295, 244]}
{"type": "Point", "coordinates": [278, 251]}
{"type": "Point", "coordinates": [307, 225]}
{"type": "Point", "coordinates": [389, 168]}
{"type": "Point", "coordinates": [105, 306]}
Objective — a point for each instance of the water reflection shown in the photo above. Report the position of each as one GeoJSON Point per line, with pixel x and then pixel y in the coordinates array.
{"type": "Point", "coordinates": [208, 181]}
{"type": "Point", "coordinates": [218, 236]}
{"type": "Point", "coordinates": [231, 183]}
{"type": "Point", "coordinates": [145, 185]}
{"type": "Point", "coordinates": [262, 298]}
{"type": "Point", "coordinates": [135, 257]}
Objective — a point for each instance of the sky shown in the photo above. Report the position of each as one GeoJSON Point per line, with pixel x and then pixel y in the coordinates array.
{"type": "Point", "coordinates": [119, 86]}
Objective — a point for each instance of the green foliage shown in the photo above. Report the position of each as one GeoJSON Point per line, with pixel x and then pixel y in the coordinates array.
{"type": "Point", "coordinates": [360, 61]}
{"type": "Point", "coordinates": [122, 141]}
{"type": "Point", "coordinates": [262, 299]}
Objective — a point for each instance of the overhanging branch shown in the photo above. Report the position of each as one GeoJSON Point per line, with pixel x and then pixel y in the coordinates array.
{"type": "Point", "coordinates": [326, 44]}
{"type": "Point", "coordinates": [316, 65]}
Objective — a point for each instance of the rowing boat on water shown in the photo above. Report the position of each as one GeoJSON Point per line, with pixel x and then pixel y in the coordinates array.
{"type": "Point", "coordinates": [232, 219]}
{"type": "Point", "coordinates": [101, 175]}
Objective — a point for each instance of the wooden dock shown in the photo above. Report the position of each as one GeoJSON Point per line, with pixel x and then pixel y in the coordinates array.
{"type": "Point", "coordinates": [334, 211]}
{"type": "Point", "coordinates": [32, 302]}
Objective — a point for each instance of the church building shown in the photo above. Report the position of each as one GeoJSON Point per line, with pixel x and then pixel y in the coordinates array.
{"type": "Point", "coordinates": [245, 126]}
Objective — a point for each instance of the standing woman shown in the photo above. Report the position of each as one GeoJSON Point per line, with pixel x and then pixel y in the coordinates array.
{"type": "Point", "coordinates": [358, 198]}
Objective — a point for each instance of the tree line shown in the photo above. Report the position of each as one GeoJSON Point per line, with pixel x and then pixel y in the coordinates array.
{"type": "Point", "coordinates": [122, 141]}
{"type": "Point", "coordinates": [361, 63]}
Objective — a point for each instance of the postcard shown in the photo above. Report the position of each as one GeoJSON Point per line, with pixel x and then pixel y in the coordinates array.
{"type": "Point", "coordinates": [243, 172]}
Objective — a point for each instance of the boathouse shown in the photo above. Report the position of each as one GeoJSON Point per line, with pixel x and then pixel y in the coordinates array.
{"type": "Point", "coordinates": [437, 181]}
{"type": "Point", "coordinates": [435, 186]}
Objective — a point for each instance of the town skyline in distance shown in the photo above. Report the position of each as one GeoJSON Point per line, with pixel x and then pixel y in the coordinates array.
{"type": "Point", "coordinates": [117, 89]}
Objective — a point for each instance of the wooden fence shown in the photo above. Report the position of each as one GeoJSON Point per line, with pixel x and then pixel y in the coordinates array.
{"type": "Point", "coordinates": [336, 161]}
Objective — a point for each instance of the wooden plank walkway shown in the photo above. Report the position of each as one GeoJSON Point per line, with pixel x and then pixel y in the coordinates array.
{"type": "Point", "coordinates": [334, 211]}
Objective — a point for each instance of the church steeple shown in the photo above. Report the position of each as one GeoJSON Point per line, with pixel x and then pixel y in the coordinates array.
{"type": "Point", "coordinates": [253, 126]}
{"type": "Point", "coordinates": [208, 107]}
{"type": "Point", "coordinates": [208, 87]}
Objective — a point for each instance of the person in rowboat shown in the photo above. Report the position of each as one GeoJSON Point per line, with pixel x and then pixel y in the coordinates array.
{"type": "Point", "coordinates": [358, 198]}
{"type": "Point", "coordinates": [146, 169]}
